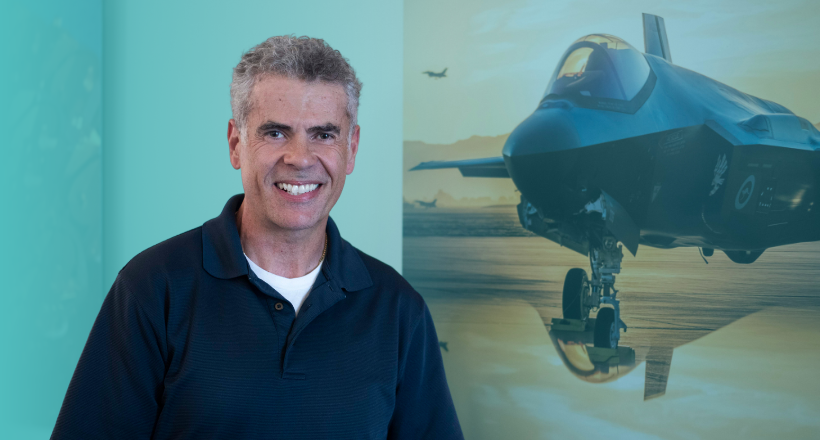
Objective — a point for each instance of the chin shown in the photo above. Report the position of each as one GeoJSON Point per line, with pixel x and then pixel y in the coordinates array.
{"type": "Point", "coordinates": [296, 221]}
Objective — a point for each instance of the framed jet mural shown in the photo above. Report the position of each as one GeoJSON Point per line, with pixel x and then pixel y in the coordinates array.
{"type": "Point", "coordinates": [613, 212]}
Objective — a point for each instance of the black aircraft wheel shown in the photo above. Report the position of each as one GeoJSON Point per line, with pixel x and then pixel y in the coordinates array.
{"type": "Point", "coordinates": [606, 329]}
{"type": "Point", "coordinates": [576, 289]}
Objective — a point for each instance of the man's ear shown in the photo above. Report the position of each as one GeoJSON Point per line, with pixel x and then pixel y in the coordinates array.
{"type": "Point", "coordinates": [354, 148]}
{"type": "Point", "coordinates": [234, 143]}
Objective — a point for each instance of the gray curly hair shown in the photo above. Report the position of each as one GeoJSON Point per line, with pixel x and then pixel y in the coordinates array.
{"type": "Point", "coordinates": [304, 58]}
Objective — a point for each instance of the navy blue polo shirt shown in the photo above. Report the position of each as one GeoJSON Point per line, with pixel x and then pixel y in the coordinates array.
{"type": "Point", "coordinates": [190, 344]}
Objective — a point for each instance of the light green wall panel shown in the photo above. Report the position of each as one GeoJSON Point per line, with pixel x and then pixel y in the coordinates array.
{"type": "Point", "coordinates": [159, 147]}
{"type": "Point", "coordinates": [168, 70]}
{"type": "Point", "coordinates": [51, 186]}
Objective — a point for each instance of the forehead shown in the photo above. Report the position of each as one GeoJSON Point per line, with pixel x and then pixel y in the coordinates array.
{"type": "Point", "coordinates": [289, 100]}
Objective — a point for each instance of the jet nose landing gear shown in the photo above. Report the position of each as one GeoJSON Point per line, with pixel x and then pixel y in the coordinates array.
{"type": "Point", "coordinates": [582, 295]}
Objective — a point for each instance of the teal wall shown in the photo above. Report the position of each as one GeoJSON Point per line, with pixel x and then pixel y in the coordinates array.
{"type": "Point", "coordinates": [114, 118]}
{"type": "Point", "coordinates": [51, 185]}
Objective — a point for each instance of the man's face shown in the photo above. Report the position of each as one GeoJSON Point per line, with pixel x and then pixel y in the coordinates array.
{"type": "Point", "coordinates": [295, 156]}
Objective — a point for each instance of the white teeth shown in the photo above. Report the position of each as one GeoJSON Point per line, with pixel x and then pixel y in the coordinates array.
{"type": "Point", "coordinates": [297, 189]}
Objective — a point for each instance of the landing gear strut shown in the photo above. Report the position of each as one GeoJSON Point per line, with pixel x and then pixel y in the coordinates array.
{"type": "Point", "coordinates": [582, 295]}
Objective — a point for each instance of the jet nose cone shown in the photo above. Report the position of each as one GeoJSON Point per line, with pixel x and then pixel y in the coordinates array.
{"type": "Point", "coordinates": [540, 153]}
{"type": "Point", "coordinates": [546, 130]}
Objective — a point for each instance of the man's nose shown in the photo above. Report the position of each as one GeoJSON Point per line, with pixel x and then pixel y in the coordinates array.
{"type": "Point", "coordinates": [299, 153]}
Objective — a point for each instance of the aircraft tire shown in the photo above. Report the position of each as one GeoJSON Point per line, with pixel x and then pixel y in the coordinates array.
{"type": "Point", "coordinates": [576, 286]}
{"type": "Point", "coordinates": [604, 328]}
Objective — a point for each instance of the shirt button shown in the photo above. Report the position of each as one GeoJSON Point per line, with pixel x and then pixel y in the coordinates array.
{"type": "Point", "coordinates": [278, 306]}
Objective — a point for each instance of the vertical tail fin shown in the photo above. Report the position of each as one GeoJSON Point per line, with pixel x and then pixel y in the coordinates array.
{"type": "Point", "coordinates": [654, 37]}
{"type": "Point", "coordinates": [658, 362]}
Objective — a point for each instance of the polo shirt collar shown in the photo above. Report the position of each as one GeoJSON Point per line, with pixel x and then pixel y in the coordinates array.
{"type": "Point", "coordinates": [223, 258]}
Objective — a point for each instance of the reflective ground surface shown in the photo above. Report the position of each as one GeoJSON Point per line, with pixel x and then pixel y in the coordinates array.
{"type": "Point", "coordinates": [738, 344]}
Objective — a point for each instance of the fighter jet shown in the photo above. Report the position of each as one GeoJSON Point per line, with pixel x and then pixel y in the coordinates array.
{"type": "Point", "coordinates": [436, 75]}
{"type": "Point", "coordinates": [627, 147]}
{"type": "Point", "coordinates": [427, 204]}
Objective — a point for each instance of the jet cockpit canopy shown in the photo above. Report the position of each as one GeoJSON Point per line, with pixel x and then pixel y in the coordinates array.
{"type": "Point", "coordinates": [599, 66]}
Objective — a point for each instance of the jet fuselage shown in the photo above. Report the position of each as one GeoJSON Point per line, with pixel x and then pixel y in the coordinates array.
{"type": "Point", "coordinates": [698, 163]}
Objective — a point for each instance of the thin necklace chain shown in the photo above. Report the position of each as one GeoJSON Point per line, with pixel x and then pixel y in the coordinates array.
{"type": "Point", "coordinates": [324, 252]}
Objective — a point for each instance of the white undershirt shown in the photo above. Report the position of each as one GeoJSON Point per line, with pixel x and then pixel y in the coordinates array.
{"type": "Point", "coordinates": [294, 290]}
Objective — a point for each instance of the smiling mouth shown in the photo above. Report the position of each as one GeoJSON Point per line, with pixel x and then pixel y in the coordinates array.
{"type": "Point", "coordinates": [296, 190]}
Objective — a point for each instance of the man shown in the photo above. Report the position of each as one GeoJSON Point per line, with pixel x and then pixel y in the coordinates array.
{"type": "Point", "coordinates": [264, 322]}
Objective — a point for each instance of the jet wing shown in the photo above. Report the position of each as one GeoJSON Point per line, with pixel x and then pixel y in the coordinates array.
{"type": "Point", "coordinates": [487, 167]}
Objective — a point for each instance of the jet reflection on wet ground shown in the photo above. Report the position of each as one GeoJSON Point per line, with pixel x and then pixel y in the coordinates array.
{"type": "Point", "coordinates": [744, 341]}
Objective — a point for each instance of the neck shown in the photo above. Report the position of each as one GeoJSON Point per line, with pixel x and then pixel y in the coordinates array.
{"type": "Point", "coordinates": [284, 252]}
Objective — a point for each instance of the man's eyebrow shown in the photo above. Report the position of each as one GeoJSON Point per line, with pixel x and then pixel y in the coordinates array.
{"type": "Point", "coordinates": [327, 128]}
{"type": "Point", "coordinates": [270, 125]}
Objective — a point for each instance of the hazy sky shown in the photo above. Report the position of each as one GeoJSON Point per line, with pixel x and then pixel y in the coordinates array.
{"type": "Point", "coordinates": [500, 54]}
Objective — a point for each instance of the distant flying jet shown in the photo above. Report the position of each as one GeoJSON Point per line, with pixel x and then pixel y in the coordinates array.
{"type": "Point", "coordinates": [427, 204]}
{"type": "Point", "coordinates": [436, 75]}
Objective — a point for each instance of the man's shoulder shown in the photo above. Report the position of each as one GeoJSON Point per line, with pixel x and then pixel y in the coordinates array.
{"type": "Point", "coordinates": [151, 275]}
{"type": "Point", "coordinates": [387, 280]}
{"type": "Point", "coordinates": [181, 252]}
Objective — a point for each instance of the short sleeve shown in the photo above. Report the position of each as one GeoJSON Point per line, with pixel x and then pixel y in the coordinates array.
{"type": "Point", "coordinates": [424, 408]}
{"type": "Point", "coordinates": [118, 383]}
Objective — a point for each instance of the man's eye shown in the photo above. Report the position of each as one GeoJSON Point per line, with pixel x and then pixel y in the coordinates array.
{"type": "Point", "coordinates": [325, 136]}
{"type": "Point", "coordinates": [275, 133]}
